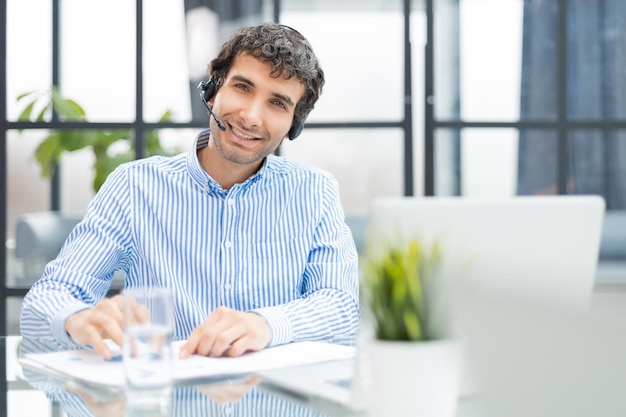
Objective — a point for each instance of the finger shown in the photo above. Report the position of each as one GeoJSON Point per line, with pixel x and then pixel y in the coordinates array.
{"type": "Point", "coordinates": [253, 336]}
{"type": "Point", "coordinates": [142, 314]}
{"type": "Point", "coordinates": [191, 345]}
{"type": "Point", "coordinates": [200, 341]}
{"type": "Point", "coordinates": [117, 312]}
{"type": "Point", "coordinates": [214, 340]}
{"type": "Point", "coordinates": [108, 315]}
{"type": "Point", "coordinates": [106, 321]}
{"type": "Point", "coordinates": [240, 346]}
{"type": "Point", "coordinates": [110, 307]}
{"type": "Point", "coordinates": [203, 338]}
{"type": "Point", "coordinates": [117, 334]}
{"type": "Point", "coordinates": [97, 342]}
{"type": "Point", "coordinates": [224, 333]}
{"type": "Point", "coordinates": [101, 326]}
{"type": "Point", "coordinates": [241, 331]}
{"type": "Point", "coordinates": [112, 329]}
{"type": "Point", "coordinates": [136, 313]}
{"type": "Point", "coordinates": [224, 341]}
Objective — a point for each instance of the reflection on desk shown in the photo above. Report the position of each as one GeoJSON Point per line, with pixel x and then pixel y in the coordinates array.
{"type": "Point", "coordinates": [239, 397]}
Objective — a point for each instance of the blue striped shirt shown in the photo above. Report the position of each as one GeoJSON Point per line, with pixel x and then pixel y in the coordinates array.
{"type": "Point", "coordinates": [276, 245]}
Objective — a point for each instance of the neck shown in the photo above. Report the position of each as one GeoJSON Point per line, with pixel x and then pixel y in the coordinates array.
{"type": "Point", "coordinates": [226, 173]}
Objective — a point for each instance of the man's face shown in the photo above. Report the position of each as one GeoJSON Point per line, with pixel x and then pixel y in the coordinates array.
{"type": "Point", "coordinates": [256, 108]}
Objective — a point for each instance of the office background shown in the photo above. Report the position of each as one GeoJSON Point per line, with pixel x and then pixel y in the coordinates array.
{"type": "Point", "coordinates": [480, 98]}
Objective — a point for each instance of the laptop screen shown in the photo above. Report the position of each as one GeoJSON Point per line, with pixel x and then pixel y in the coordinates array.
{"type": "Point", "coordinates": [544, 247]}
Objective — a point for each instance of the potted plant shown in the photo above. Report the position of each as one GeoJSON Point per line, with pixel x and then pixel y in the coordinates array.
{"type": "Point", "coordinates": [398, 291]}
{"type": "Point", "coordinates": [415, 364]}
{"type": "Point", "coordinates": [49, 151]}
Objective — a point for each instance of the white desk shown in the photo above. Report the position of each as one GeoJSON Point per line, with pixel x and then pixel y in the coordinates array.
{"type": "Point", "coordinates": [28, 394]}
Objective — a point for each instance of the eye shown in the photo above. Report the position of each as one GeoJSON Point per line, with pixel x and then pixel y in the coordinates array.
{"type": "Point", "coordinates": [241, 86]}
{"type": "Point", "coordinates": [279, 104]}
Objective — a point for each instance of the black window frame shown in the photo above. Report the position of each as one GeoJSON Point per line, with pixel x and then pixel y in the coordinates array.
{"type": "Point", "coordinates": [563, 125]}
{"type": "Point", "coordinates": [139, 126]}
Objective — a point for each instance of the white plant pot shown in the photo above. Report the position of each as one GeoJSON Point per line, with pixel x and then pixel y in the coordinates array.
{"type": "Point", "coordinates": [413, 378]}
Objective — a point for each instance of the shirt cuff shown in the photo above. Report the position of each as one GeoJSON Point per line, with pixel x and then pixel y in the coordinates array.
{"type": "Point", "coordinates": [58, 322]}
{"type": "Point", "coordinates": [279, 325]}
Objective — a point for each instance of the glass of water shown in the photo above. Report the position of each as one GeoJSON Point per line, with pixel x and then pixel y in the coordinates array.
{"type": "Point", "coordinates": [148, 321]}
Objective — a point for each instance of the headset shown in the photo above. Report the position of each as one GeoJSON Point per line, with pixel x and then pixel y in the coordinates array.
{"type": "Point", "coordinates": [207, 92]}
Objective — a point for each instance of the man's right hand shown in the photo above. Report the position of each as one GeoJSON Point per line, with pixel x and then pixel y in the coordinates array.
{"type": "Point", "coordinates": [93, 325]}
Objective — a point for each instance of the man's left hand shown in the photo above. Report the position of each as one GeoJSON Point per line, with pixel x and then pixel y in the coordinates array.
{"type": "Point", "coordinates": [227, 332]}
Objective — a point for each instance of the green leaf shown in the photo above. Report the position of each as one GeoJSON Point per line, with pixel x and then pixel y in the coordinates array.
{"type": "Point", "coordinates": [107, 166]}
{"type": "Point", "coordinates": [67, 109]}
{"type": "Point", "coordinates": [48, 153]}
{"type": "Point", "coordinates": [412, 325]}
{"type": "Point", "coordinates": [109, 137]}
{"type": "Point", "coordinates": [42, 113]}
{"type": "Point", "coordinates": [75, 139]}
{"type": "Point", "coordinates": [23, 95]}
{"type": "Point", "coordinates": [76, 109]}
{"type": "Point", "coordinates": [25, 114]}
{"type": "Point", "coordinates": [32, 99]}
{"type": "Point", "coordinates": [166, 116]}
{"type": "Point", "coordinates": [153, 145]}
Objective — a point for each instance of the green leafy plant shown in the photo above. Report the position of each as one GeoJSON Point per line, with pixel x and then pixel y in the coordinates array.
{"type": "Point", "coordinates": [399, 289]}
{"type": "Point", "coordinates": [38, 104]}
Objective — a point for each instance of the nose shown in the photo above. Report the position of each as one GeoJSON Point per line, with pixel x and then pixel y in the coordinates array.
{"type": "Point", "coordinates": [252, 113]}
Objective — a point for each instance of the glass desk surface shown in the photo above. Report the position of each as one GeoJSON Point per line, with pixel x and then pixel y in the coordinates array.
{"type": "Point", "coordinates": [29, 392]}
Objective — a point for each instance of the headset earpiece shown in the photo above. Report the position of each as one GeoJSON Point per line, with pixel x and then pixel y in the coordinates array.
{"type": "Point", "coordinates": [208, 89]}
{"type": "Point", "coordinates": [296, 129]}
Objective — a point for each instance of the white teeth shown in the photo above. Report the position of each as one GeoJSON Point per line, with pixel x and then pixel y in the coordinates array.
{"type": "Point", "coordinates": [241, 135]}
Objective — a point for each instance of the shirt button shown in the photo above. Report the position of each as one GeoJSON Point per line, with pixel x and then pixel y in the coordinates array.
{"type": "Point", "coordinates": [228, 286]}
{"type": "Point", "coordinates": [229, 244]}
{"type": "Point", "coordinates": [231, 202]}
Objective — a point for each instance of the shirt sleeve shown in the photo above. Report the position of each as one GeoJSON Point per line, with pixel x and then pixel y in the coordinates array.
{"type": "Point", "coordinates": [81, 274]}
{"type": "Point", "coordinates": [328, 308]}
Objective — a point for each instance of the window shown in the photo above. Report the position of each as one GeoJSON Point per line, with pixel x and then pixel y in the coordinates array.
{"type": "Point", "coordinates": [141, 59]}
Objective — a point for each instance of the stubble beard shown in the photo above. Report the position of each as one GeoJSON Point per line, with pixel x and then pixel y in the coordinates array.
{"type": "Point", "coordinates": [238, 156]}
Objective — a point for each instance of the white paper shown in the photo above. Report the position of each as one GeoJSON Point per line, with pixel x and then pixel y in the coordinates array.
{"type": "Point", "coordinates": [89, 366]}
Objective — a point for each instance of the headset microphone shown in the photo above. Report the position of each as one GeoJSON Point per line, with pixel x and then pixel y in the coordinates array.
{"type": "Point", "coordinates": [208, 89]}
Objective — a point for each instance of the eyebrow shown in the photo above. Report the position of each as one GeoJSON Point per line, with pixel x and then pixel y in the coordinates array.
{"type": "Point", "coordinates": [282, 97]}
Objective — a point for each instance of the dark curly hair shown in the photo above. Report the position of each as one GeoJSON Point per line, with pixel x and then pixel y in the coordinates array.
{"type": "Point", "coordinates": [285, 49]}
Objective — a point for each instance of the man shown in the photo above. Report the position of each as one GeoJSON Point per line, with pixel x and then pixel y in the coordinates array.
{"type": "Point", "coordinates": [254, 247]}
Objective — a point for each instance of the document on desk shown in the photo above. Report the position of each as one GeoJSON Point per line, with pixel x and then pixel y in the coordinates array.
{"type": "Point", "coordinates": [88, 366]}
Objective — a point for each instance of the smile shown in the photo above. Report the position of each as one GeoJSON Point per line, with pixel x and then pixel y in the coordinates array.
{"type": "Point", "coordinates": [242, 135]}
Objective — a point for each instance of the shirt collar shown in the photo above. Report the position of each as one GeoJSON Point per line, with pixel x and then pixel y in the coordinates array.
{"type": "Point", "coordinates": [203, 179]}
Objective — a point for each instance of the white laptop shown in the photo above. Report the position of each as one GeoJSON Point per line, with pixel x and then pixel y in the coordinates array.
{"type": "Point", "coordinates": [543, 247]}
